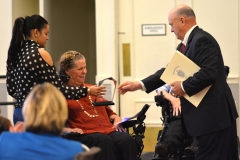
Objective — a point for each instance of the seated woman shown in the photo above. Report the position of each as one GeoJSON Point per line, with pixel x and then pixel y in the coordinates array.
{"type": "Point", "coordinates": [45, 113]}
{"type": "Point", "coordinates": [93, 122]}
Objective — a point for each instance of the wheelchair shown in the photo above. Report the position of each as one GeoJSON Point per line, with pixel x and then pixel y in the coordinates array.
{"type": "Point", "coordinates": [138, 127]}
{"type": "Point", "coordinates": [187, 140]}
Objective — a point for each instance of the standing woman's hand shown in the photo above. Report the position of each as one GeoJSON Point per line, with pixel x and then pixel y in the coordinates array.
{"type": "Point", "coordinates": [96, 90]}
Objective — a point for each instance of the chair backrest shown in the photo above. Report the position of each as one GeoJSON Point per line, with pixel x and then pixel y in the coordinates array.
{"type": "Point", "coordinates": [92, 154]}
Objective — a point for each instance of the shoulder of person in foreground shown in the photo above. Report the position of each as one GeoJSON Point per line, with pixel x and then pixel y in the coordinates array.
{"type": "Point", "coordinates": [77, 145]}
{"type": "Point", "coordinates": [7, 138]}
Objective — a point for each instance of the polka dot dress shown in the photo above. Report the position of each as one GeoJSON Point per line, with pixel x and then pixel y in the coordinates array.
{"type": "Point", "coordinates": [31, 69]}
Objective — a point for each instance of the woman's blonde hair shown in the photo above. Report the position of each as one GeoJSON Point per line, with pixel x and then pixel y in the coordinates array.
{"type": "Point", "coordinates": [45, 110]}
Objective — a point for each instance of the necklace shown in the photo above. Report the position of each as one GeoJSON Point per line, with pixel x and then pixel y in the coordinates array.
{"type": "Point", "coordinates": [89, 115]}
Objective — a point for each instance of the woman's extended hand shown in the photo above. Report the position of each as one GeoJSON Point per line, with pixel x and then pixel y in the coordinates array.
{"type": "Point", "coordinates": [117, 125]}
{"type": "Point", "coordinates": [119, 128]}
{"type": "Point", "coordinates": [97, 90]}
{"type": "Point", "coordinates": [77, 130]}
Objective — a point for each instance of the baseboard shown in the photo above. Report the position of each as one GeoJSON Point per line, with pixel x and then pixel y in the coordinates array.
{"type": "Point", "coordinates": [150, 139]}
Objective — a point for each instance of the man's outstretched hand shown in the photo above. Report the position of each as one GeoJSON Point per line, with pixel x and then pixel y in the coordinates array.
{"type": "Point", "coordinates": [129, 86]}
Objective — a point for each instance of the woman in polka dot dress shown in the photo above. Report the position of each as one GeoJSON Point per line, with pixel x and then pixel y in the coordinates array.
{"type": "Point", "coordinates": [29, 64]}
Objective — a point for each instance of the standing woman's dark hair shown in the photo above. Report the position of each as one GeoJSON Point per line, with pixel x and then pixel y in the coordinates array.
{"type": "Point", "coordinates": [29, 64]}
{"type": "Point", "coordinates": [22, 30]}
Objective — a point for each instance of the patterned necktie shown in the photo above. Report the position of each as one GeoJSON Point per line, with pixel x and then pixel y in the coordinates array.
{"type": "Point", "coordinates": [183, 48]}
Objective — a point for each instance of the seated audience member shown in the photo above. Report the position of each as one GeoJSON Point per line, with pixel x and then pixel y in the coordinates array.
{"type": "Point", "coordinates": [45, 113]}
{"type": "Point", "coordinates": [173, 139]}
{"type": "Point", "coordinates": [93, 123]}
{"type": "Point", "coordinates": [5, 124]}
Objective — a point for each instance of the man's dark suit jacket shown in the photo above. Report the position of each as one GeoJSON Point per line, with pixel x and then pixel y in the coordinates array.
{"type": "Point", "coordinates": [217, 110]}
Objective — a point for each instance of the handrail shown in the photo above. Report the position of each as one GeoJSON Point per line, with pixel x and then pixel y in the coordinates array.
{"type": "Point", "coordinates": [7, 103]}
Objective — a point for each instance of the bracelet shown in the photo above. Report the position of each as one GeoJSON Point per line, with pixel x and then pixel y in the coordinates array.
{"type": "Point", "coordinates": [88, 90]}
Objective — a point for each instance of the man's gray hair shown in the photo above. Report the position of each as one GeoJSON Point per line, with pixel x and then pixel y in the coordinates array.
{"type": "Point", "coordinates": [186, 11]}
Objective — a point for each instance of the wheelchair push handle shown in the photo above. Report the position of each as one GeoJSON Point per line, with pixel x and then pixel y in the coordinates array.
{"type": "Point", "coordinates": [141, 115]}
{"type": "Point", "coordinates": [161, 101]}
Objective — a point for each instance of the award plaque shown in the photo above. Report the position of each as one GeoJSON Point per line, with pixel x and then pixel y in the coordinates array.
{"type": "Point", "coordinates": [106, 103]}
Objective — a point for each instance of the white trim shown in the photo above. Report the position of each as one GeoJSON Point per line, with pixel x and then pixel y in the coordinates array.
{"type": "Point", "coordinates": [232, 80]}
{"type": "Point", "coordinates": [105, 42]}
{"type": "Point", "coordinates": [41, 8]}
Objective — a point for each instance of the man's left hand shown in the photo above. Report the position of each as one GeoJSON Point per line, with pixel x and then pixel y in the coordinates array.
{"type": "Point", "coordinates": [177, 89]}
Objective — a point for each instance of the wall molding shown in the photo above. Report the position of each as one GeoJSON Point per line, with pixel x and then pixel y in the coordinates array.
{"type": "Point", "coordinates": [152, 115]}
{"type": "Point", "coordinates": [233, 79]}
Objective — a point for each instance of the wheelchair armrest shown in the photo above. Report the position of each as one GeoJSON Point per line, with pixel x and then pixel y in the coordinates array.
{"type": "Point", "coordinates": [129, 124]}
{"type": "Point", "coordinates": [87, 140]}
{"type": "Point", "coordinates": [70, 135]}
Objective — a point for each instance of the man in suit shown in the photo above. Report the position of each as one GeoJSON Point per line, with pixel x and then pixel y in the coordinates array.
{"type": "Point", "coordinates": [213, 122]}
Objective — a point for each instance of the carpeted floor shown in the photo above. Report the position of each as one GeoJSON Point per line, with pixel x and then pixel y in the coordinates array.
{"type": "Point", "coordinates": [147, 155]}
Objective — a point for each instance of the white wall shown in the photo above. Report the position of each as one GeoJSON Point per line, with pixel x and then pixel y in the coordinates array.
{"type": "Point", "coordinates": [221, 19]}
{"type": "Point", "coordinates": [106, 43]}
{"type": "Point", "coordinates": [11, 9]}
{"type": "Point", "coordinates": [5, 32]}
